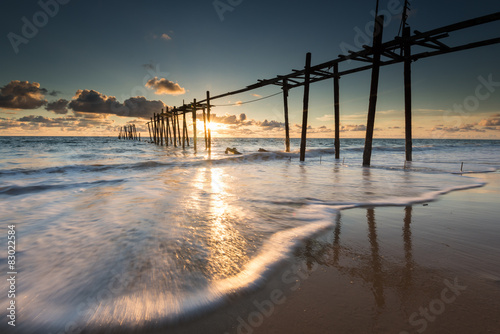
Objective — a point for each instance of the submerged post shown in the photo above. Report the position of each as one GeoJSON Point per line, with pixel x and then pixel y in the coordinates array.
{"type": "Point", "coordinates": [194, 124]}
{"type": "Point", "coordinates": [377, 42]}
{"type": "Point", "coordinates": [305, 109]}
{"type": "Point", "coordinates": [209, 122]}
{"type": "Point", "coordinates": [285, 105]}
{"type": "Point", "coordinates": [336, 98]}
{"type": "Point", "coordinates": [407, 83]}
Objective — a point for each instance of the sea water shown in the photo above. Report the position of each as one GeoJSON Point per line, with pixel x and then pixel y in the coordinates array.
{"type": "Point", "coordinates": [125, 233]}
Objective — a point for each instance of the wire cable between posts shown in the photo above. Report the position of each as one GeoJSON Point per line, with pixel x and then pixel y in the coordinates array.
{"type": "Point", "coordinates": [246, 102]}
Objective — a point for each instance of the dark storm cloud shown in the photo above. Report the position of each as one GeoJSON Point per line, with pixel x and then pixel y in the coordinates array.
{"type": "Point", "coordinates": [59, 107]}
{"type": "Point", "coordinates": [22, 95]}
{"type": "Point", "coordinates": [91, 101]}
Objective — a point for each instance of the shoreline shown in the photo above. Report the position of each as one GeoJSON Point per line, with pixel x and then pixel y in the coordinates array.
{"type": "Point", "coordinates": [384, 269]}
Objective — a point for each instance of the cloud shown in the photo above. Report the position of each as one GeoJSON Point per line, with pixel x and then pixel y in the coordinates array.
{"type": "Point", "coordinates": [231, 119]}
{"type": "Point", "coordinates": [492, 121]}
{"type": "Point", "coordinates": [463, 128]}
{"type": "Point", "coordinates": [256, 95]}
{"type": "Point", "coordinates": [59, 107]}
{"type": "Point", "coordinates": [67, 123]}
{"type": "Point", "coordinates": [91, 101]}
{"type": "Point", "coordinates": [164, 86]}
{"type": "Point", "coordinates": [22, 95]}
{"type": "Point", "coordinates": [326, 118]}
{"type": "Point", "coordinates": [165, 37]}
{"type": "Point", "coordinates": [353, 127]}
{"type": "Point", "coordinates": [271, 124]}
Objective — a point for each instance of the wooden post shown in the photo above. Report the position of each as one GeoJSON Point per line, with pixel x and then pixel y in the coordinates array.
{"type": "Point", "coordinates": [183, 129]}
{"type": "Point", "coordinates": [407, 83]}
{"type": "Point", "coordinates": [165, 135]}
{"type": "Point", "coordinates": [149, 131]}
{"type": "Point", "coordinates": [152, 129]}
{"type": "Point", "coordinates": [370, 123]}
{"type": "Point", "coordinates": [173, 127]}
{"type": "Point", "coordinates": [179, 130]}
{"type": "Point", "coordinates": [285, 106]}
{"type": "Point", "coordinates": [157, 128]}
{"type": "Point", "coordinates": [167, 127]}
{"type": "Point", "coordinates": [160, 128]}
{"type": "Point", "coordinates": [336, 97]}
{"type": "Point", "coordinates": [305, 110]}
{"type": "Point", "coordinates": [209, 121]}
{"type": "Point", "coordinates": [205, 128]}
{"type": "Point", "coordinates": [194, 124]}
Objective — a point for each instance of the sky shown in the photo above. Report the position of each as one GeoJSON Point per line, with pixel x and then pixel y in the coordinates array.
{"type": "Point", "coordinates": [86, 68]}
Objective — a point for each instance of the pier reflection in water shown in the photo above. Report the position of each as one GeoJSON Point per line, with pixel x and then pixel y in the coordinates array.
{"type": "Point", "coordinates": [367, 264]}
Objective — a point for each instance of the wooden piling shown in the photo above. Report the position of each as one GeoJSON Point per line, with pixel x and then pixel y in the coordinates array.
{"type": "Point", "coordinates": [152, 129]}
{"type": "Point", "coordinates": [285, 107]}
{"type": "Point", "coordinates": [305, 110]}
{"type": "Point", "coordinates": [336, 97]}
{"type": "Point", "coordinates": [185, 128]}
{"type": "Point", "coordinates": [167, 127]}
{"type": "Point", "coordinates": [407, 83]}
{"type": "Point", "coordinates": [157, 127]}
{"type": "Point", "coordinates": [194, 124]}
{"type": "Point", "coordinates": [178, 129]}
{"type": "Point", "coordinates": [209, 120]}
{"type": "Point", "coordinates": [377, 42]}
{"type": "Point", "coordinates": [160, 128]}
{"type": "Point", "coordinates": [173, 127]}
{"type": "Point", "coordinates": [153, 124]}
{"type": "Point", "coordinates": [205, 128]}
{"type": "Point", "coordinates": [149, 131]}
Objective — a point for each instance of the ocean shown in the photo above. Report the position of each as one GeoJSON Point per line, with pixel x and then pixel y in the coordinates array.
{"type": "Point", "coordinates": [118, 233]}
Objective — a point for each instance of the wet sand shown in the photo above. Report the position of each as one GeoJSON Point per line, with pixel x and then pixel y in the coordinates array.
{"type": "Point", "coordinates": [427, 268]}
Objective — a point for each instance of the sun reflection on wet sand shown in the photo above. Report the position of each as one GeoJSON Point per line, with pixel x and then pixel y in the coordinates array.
{"type": "Point", "coordinates": [226, 246]}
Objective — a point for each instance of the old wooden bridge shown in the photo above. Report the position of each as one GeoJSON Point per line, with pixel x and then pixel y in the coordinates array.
{"type": "Point", "coordinates": [165, 129]}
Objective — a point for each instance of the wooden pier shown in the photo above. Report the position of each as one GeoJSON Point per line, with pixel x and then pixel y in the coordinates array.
{"type": "Point", "coordinates": [129, 132]}
{"type": "Point", "coordinates": [164, 127]}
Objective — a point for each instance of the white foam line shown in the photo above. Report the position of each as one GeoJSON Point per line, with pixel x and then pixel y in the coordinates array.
{"type": "Point", "coordinates": [395, 201]}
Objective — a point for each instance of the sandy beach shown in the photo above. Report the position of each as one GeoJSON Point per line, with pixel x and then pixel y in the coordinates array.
{"type": "Point", "coordinates": [428, 268]}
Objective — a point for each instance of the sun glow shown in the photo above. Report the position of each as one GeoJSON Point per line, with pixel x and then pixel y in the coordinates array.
{"type": "Point", "coordinates": [213, 126]}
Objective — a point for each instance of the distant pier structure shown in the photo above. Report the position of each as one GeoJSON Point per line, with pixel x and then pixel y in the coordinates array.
{"type": "Point", "coordinates": [165, 129]}
{"type": "Point", "coordinates": [129, 132]}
